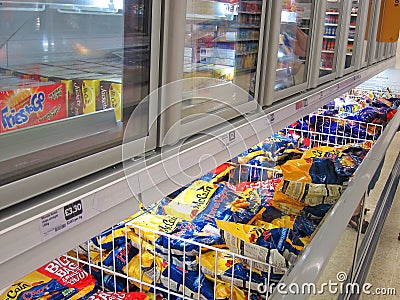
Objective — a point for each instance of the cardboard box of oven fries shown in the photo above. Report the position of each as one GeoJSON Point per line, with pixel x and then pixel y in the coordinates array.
{"type": "Point", "coordinates": [32, 104]}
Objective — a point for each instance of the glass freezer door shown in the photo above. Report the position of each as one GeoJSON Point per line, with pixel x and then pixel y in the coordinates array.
{"type": "Point", "coordinates": [289, 49]}
{"type": "Point", "coordinates": [222, 40]}
{"type": "Point", "coordinates": [211, 63]}
{"type": "Point", "coordinates": [71, 73]}
{"type": "Point", "coordinates": [294, 40]}
{"type": "Point", "coordinates": [352, 37]}
{"type": "Point", "coordinates": [331, 36]}
{"type": "Point", "coordinates": [368, 37]}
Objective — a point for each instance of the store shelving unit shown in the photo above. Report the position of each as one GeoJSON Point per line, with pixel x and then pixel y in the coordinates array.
{"type": "Point", "coordinates": [112, 184]}
{"type": "Point", "coordinates": [108, 197]}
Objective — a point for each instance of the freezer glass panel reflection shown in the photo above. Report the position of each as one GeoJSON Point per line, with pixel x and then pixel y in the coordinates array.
{"type": "Point", "coordinates": [330, 38]}
{"type": "Point", "coordinates": [222, 41]}
{"type": "Point", "coordinates": [69, 63]}
{"type": "Point", "coordinates": [294, 40]}
{"type": "Point", "coordinates": [365, 44]}
{"type": "Point", "coordinates": [352, 35]}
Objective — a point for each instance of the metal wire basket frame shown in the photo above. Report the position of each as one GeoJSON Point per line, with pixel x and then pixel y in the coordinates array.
{"type": "Point", "coordinates": [265, 176]}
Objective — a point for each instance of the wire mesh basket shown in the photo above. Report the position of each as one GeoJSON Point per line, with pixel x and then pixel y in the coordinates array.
{"type": "Point", "coordinates": [194, 271]}
{"type": "Point", "coordinates": [132, 257]}
{"type": "Point", "coordinates": [333, 131]}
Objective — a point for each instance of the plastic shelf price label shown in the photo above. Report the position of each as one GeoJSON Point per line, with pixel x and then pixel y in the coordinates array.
{"type": "Point", "coordinates": [61, 220]}
{"type": "Point", "coordinates": [228, 139]}
{"type": "Point", "coordinates": [270, 118]}
{"type": "Point", "coordinates": [299, 105]}
{"type": "Point", "coordinates": [73, 210]}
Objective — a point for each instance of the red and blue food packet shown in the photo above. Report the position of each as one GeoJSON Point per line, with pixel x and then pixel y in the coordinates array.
{"type": "Point", "coordinates": [58, 279]}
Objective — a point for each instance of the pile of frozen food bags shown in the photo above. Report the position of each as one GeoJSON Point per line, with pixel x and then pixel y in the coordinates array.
{"type": "Point", "coordinates": [222, 235]}
{"type": "Point", "coordinates": [227, 231]}
{"type": "Point", "coordinates": [354, 117]}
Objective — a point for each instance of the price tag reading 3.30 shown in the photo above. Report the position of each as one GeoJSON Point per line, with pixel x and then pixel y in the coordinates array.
{"type": "Point", "coordinates": [61, 219]}
{"type": "Point", "coordinates": [73, 210]}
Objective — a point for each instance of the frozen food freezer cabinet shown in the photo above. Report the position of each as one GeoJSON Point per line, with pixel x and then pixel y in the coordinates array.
{"type": "Point", "coordinates": [71, 74]}
{"type": "Point", "coordinates": [79, 79]}
{"type": "Point", "coordinates": [114, 194]}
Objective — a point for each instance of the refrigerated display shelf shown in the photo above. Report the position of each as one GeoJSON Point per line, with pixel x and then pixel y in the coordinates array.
{"type": "Point", "coordinates": [330, 37]}
{"type": "Point", "coordinates": [250, 12]}
{"type": "Point", "coordinates": [328, 51]}
{"type": "Point", "coordinates": [241, 26]}
{"type": "Point", "coordinates": [107, 198]}
{"type": "Point", "coordinates": [326, 68]}
{"type": "Point", "coordinates": [331, 24]}
{"type": "Point", "coordinates": [221, 40]}
{"type": "Point", "coordinates": [135, 234]}
{"type": "Point", "coordinates": [315, 135]}
{"type": "Point", "coordinates": [242, 70]}
{"type": "Point", "coordinates": [202, 17]}
{"type": "Point", "coordinates": [246, 52]}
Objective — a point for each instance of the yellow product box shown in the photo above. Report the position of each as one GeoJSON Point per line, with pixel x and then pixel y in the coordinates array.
{"type": "Point", "coordinates": [90, 91]}
{"type": "Point", "coordinates": [224, 72]}
{"type": "Point", "coordinates": [110, 96]}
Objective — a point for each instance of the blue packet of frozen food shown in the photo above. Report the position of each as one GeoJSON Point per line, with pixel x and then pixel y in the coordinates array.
{"type": "Point", "coordinates": [106, 280]}
{"type": "Point", "coordinates": [316, 213]}
{"type": "Point", "coordinates": [117, 259]}
{"type": "Point", "coordinates": [347, 164]}
{"type": "Point", "coordinates": [110, 238]}
{"type": "Point", "coordinates": [277, 143]}
{"type": "Point", "coordinates": [367, 115]}
{"type": "Point", "coordinates": [248, 155]}
{"type": "Point", "coordinates": [323, 171]}
{"type": "Point", "coordinates": [188, 262]}
{"type": "Point", "coordinates": [395, 102]}
{"type": "Point", "coordinates": [189, 233]}
{"type": "Point", "coordinates": [302, 125]}
{"type": "Point", "coordinates": [189, 281]}
{"type": "Point", "coordinates": [302, 226]}
{"type": "Point", "coordinates": [231, 270]}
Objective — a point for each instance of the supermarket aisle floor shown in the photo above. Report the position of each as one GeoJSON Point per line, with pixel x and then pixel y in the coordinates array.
{"type": "Point", "coordinates": [385, 268]}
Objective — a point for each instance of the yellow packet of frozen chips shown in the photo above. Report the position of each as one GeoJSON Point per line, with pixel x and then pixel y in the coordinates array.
{"type": "Point", "coordinates": [230, 270]}
{"type": "Point", "coordinates": [154, 223]}
{"type": "Point", "coordinates": [285, 203]}
{"type": "Point", "coordinates": [139, 243]}
{"type": "Point", "coordinates": [283, 222]}
{"type": "Point", "coordinates": [297, 170]}
{"type": "Point", "coordinates": [193, 200]}
{"type": "Point", "coordinates": [321, 151]}
{"type": "Point", "coordinates": [240, 237]}
{"type": "Point", "coordinates": [146, 268]}
{"type": "Point", "coordinates": [278, 247]}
